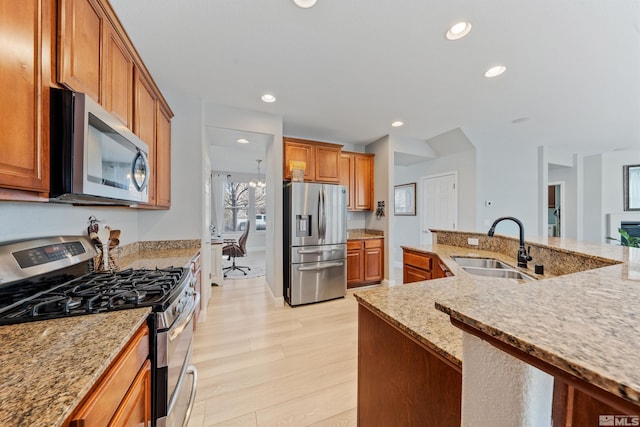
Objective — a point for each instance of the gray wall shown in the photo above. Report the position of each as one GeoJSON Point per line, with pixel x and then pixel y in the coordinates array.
{"type": "Point", "coordinates": [408, 228]}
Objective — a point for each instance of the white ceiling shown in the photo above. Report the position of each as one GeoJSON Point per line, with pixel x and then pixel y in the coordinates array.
{"type": "Point", "coordinates": [237, 157]}
{"type": "Point", "coordinates": [343, 70]}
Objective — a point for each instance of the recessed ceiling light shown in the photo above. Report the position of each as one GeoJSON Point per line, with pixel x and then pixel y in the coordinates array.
{"type": "Point", "coordinates": [458, 30]}
{"type": "Point", "coordinates": [495, 71]}
{"type": "Point", "coordinates": [397, 124]}
{"type": "Point", "coordinates": [267, 97]}
{"type": "Point", "coordinates": [305, 4]}
{"type": "Point", "coordinates": [242, 141]}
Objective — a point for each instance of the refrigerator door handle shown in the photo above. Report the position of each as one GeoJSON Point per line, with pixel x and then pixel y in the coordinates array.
{"type": "Point", "coordinates": [321, 267]}
{"type": "Point", "coordinates": [316, 251]}
{"type": "Point", "coordinates": [321, 215]}
{"type": "Point", "coordinates": [324, 214]}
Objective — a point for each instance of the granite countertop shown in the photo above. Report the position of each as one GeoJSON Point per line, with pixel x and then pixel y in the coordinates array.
{"type": "Point", "coordinates": [585, 323]}
{"type": "Point", "coordinates": [411, 307]}
{"type": "Point", "coordinates": [47, 367]}
{"type": "Point", "coordinates": [159, 258]}
{"type": "Point", "coordinates": [364, 234]}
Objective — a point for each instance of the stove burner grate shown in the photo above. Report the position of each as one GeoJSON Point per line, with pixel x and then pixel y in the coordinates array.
{"type": "Point", "coordinates": [92, 293]}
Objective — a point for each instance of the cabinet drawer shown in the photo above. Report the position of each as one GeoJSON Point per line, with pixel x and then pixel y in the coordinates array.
{"type": "Point", "coordinates": [420, 261]}
{"type": "Point", "coordinates": [354, 245]}
{"type": "Point", "coordinates": [373, 243]}
{"type": "Point", "coordinates": [103, 401]}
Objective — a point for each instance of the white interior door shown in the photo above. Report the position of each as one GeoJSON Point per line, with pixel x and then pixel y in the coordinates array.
{"type": "Point", "coordinates": [439, 204]}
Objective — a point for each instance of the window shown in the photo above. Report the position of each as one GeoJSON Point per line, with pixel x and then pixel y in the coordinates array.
{"type": "Point", "coordinates": [260, 198]}
{"type": "Point", "coordinates": [236, 206]}
{"type": "Point", "coordinates": [242, 202]}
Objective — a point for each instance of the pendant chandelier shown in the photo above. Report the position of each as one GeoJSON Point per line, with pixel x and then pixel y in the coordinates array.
{"type": "Point", "coordinates": [257, 182]}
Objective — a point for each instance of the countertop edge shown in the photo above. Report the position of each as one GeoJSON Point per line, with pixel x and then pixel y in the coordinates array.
{"type": "Point", "coordinates": [613, 386]}
{"type": "Point", "coordinates": [407, 330]}
{"type": "Point", "coordinates": [100, 371]}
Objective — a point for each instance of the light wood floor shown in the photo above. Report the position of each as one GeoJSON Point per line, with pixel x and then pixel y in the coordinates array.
{"type": "Point", "coordinates": [260, 365]}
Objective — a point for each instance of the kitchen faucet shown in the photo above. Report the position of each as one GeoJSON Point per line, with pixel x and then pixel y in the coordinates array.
{"type": "Point", "coordinates": [523, 254]}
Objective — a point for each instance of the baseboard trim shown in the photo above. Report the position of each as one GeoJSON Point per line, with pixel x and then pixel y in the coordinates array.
{"type": "Point", "coordinates": [277, 301]}
{"type": "Point", "coordinates": [389, 282]}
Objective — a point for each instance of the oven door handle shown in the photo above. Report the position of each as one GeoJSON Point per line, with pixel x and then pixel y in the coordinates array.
{"type": "Point", "coordinates": [175, 332]}
{"type": "Point", "coordinates": [192, 396]}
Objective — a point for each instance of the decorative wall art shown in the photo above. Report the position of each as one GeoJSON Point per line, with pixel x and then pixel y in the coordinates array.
{"type": "Point", "coordinates": [405, 199]}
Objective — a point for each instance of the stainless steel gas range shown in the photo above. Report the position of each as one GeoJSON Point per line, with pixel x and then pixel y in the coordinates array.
{"type": "Point", "coordinates": [50, 278]}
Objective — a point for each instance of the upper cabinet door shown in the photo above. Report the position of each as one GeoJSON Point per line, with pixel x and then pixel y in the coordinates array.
{"type": "Point", "coordinates": [302, 152]}
{"type": "Point", "coordinates": [24, 137]}
{"type": "Point", "coordinates": [163, 158]}
{"type": "Point", "coordinates": [328, 163]}
{"type": "Point", "coordinates": [118, 78]}
{"type": "Point", "coordinates": [80, 63]}
{"type": "Point", "coordinates": [363, 182]}
{"type": "Point", "coordinates": [144, 123]}
{"type": "Point", "coordinates": [347, 176]}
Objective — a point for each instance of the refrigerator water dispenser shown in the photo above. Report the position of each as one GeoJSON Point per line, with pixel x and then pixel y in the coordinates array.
{"type": "Point", "coordinates": [303, 225]}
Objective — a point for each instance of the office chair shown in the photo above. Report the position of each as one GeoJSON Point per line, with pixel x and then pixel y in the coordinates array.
{"type": "Point", "coordinates": [239, 249]}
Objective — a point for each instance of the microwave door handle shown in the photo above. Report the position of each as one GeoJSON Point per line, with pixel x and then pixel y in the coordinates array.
{"type": "Point", "coordinates": [140, 157]}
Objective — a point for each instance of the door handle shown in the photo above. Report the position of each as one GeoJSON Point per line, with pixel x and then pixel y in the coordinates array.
{"type": "Point", "coordinates": [321, 267]}
{"type": "Point", "coordinates": [192, 396]}
{"type": "Point", "coordinates": [191, 312]}
{"type": "Point", "coordinates": [314, 251]}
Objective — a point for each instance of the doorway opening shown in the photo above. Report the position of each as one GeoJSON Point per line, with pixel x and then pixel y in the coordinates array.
{"type": "Point", "coordinates": [555, 226]}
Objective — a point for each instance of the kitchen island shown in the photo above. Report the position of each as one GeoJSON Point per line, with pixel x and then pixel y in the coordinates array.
{"type": "Point", "coordinates": [570, 318]}
{"type": "Point", "coordinates": [47, 367]}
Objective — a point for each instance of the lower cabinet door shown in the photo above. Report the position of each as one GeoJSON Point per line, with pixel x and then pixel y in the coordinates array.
{"type": "Point", "coordinates": [355, 267]}
{"type": "Point", "coordinates": [412, 274]}
{"type": "Point", "coordinates": [135, 408]}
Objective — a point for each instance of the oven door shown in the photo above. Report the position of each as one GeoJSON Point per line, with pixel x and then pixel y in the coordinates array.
{"type": "Point", "coordinates": [176, 377]}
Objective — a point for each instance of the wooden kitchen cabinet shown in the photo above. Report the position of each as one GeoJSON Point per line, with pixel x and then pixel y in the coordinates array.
{"type": "Point", "coordinates": [552, 196]}
{"type": "Point", "coordinates": [365, 262]}
{"type": "Point", "coordinates": [419, 266]}
{"type": "Point", "coordinates": [122, 395]}
{"type": "Point", "coordinates": [322, 159]}
{"type": "Point", "coordinates": [347, 176]}
{"type": "Point", "coordinates": [572, 407]}
{"type": "Point", "coordinates": [403, 382]}
{"type": "Point", "coordinates": [81, 27]}
{"type": "Point", "coordinates": [355, 263]}
{"type": "Point", "coordinates": [356, 172]}
{"type": "Point", "coordinates": [163, 157]}
{"type": "Point", "coordinates": [25, 41]}
{"type": "Point", "coordinates": [96, 57]}
{"type": "Point", "coordinates": [118, 77]}
{"type": "Point", "coordinates": [152, 123]}
{"type": "Point", "coordinates": [144, 124]}
{"type": "Point", "coordinates": [327, 163]}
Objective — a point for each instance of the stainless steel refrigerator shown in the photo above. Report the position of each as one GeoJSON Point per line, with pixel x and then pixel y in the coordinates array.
{"type": "Point", "coordinates": [315, 244]}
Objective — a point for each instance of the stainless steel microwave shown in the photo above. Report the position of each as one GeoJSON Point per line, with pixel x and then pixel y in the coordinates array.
{"type": "Point", "coordinates": [95, 159]}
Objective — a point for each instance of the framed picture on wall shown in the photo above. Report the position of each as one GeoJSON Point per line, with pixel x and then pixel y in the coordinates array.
{"type": "Point", "coordinates": [631, 185]}
{"type": "Point", "coordinates": [404, 199]}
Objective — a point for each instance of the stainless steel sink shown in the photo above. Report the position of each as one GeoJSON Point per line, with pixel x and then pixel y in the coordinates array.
{"type": "Point", "coordinates": [502, 272]}
{"type": "Point", "coordinates": [481, 262]}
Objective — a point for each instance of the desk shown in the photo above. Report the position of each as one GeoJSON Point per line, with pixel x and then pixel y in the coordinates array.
{"type": "Point", "coordinates": [216, 261]}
